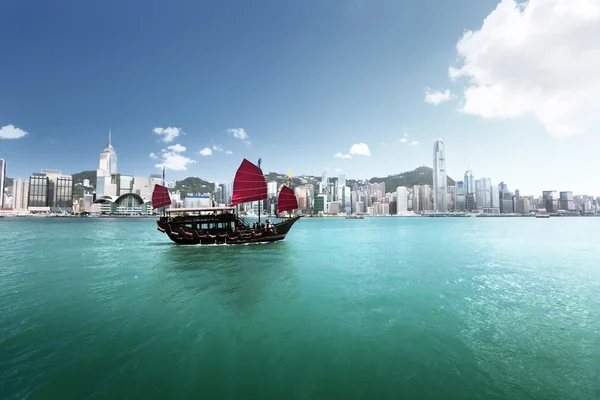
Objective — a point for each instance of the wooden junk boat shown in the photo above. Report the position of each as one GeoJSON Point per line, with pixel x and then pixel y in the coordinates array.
{"type": "Point", "coordinates": [223, 225]}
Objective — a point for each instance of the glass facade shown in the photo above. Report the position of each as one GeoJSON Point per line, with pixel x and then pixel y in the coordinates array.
{"type": "Point", "coordinates": [38, 190]}
{"type": "Point", "coordinates": [64, 192]}
{"type": "Point", "coordinates": [440, 182]}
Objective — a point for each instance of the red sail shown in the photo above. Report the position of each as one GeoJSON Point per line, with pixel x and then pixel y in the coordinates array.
{"type": "Point", "coordinates": [249, 184]}
{"type": "Point", "coordinates": [287, 200]}
{"type": "Point", "coordinates": [160, 197]}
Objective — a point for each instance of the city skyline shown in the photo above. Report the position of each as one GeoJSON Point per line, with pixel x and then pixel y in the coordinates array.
{"type": "Point", "coordinates": [342, 95]}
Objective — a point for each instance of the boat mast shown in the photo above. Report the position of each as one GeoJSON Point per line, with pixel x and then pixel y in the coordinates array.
{"type": "Point", "coordinates": [259, 162]}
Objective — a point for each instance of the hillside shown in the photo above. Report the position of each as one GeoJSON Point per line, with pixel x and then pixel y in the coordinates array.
{"type": "Point", "coordinates": [296, 180]}
{"type": "Point", "coordinates": [80, 176]}
{"type": "Point", "coordinates": [194, 185]}
{"type": "Point", "coordinates": [420, 176]}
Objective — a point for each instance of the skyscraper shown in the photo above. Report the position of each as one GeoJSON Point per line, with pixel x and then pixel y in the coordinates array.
{"type": "Point", "coordinates": [401, 200]}
{"type": "Point", "coordinates": [2, 181]}
{"type": "Point", "coordinates": [469, 182]}
{"type": "Point", "coordinates": [440, 182]}
{"type": "Point", "coordinates": [105, 183]}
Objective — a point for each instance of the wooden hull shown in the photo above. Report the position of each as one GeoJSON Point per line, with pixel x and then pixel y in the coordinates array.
{"type": "Point", "coordinates": [180, 233]}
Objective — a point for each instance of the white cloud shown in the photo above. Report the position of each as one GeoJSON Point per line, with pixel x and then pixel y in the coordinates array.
{"type": "Point", "coordinates": [12, 132]}
{"type": "Point", "coordinates": [217, 147]}
{"type": "Point", "coordinates": [168, 134]}
{"type": "Point", "coordinates": [240, 133]}
{"type": "Point", "coordinates": [536, 59]}
{"type": "Point", "coordinates": [206, 151]}
{"type": "Point", "coordinates": [229, 152]}
{"type": "Point", "coordinates": [414, 143]}
{"type": "Point", "coordinates": [153, 156]}
{"type": "Point", "coordinates": [177, 148]}
{"type": "Point", "coordinates": [360, 149]}
{"type": "Point", "coordinates": [173, 159]}
{"type": "Point", "coordinates": [403, 140]}
{"type": "Point", "coordinates": [437, 97]}
{"type": "Point", "coordinates": [340, 155]}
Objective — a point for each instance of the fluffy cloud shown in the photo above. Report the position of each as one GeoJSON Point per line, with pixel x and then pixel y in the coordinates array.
{"type": "Point", "coordinates": [217, 147]}
{"type": "Point", "coordinates": [437, 97]}
{"type": "Point", "coordinates": [360, 149]}
{"type": "Point", "coordinates": [403, 140]}
{"type": "Point", "coordinates": [11, 132]}
{"type": "Point", "coordinates": [229, 152]}
{"type": "Point", "coordinates": [153, 156]}
{"type": "Point", "coordinates": [167, 134]}
{"type": "Point", "coordinates": [206, 151]}
{"type": "Point", "coordinates": [535, 59]}
{"type": "Point", "coordinates": [177, 148]}
{"type": "Point", "coordinates": [173, 159]}
{"type": "Point", "coordinates": [414, 143]}
{"type": "Point", "coordinates": [240, 133]}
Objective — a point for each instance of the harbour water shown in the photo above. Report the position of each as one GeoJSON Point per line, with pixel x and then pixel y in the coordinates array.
{"type": "Point", "coordinates": [388, 308]}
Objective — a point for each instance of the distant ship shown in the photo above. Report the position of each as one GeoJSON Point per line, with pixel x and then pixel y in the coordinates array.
{"type": "Point", "coordinates": [355, 216]}
{"type": "Point", "coordinates": [223, 225]}
{"type": "Point", "coordinates": [542, 213]}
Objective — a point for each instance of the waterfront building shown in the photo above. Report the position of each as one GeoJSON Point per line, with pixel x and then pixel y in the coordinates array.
{"type": "Point", "coordinates": [416, 205]}
{"type": "Point", "coordinates": [425, 198]}
{"type": "Point", "coordinates": [495, 197]}
{"type": "Point", "coordinates": [401, 200]}
{"type": "Point", "coordinates": [483, 193]}
{"type": "Point", "coordinates": [440, 182]}
{"type": "Point", "coordinates": [320, 204]}
{"type": "Point", "coordinates": [272, 189]}
{"type": "Point", "coordinates": [333, 207]}
{"type": "Point", "coordinates": [2, 181]}
{"type": "Point", "coordinates": [460, 200]}
{"type": "Point", "coordinates": [20, 194]}
{"type": "Point", "coordinates": [566, 201]}
{"type": "Point", "coordinates": [451, 198]}
{"type": "Point", "coordinates": [550, 198]}
{"type": "Point", "coordinates": [471, 204]}
{"type": "Point", "coordinates": [523, 205]}
{"type": "Point", "coordinates": [50, 190]}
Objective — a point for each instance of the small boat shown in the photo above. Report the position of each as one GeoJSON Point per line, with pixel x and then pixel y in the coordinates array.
{"type": "Point", "coordinates": [542, 213]}
{"type": "Point", "coordinates": [355, 216]}
{"type": "Point", "coordinates": [223, 225]}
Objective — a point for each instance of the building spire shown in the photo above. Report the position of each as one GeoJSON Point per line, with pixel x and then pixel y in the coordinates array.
{"type": "Point", "coordinates": [109, 133]}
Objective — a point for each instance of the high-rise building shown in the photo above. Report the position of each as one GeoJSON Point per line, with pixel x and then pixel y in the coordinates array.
{"type": "Point", "coordinates": [550, 201]}
{"type": "Point", "coordinates": [106, 182]}
{"type": "Point", "coordinates": [50, 190]}
{"type": "Point", "coordinates": [483, 193]}
{"type": "Point", "coordinates": [460, 200]}
{"type": "Point", "coordinates": [523, 205]}
{"type": "Point", "coordinates": [566, 201]}
{"type": "Point", "coordinates": [401, 200]}
{"type": "Point", "coordinates": [2, 181]}
{"type": "Point", "coordinates": [424, 198]}
{"type": "Point", "coordinates": [469, 182]}
{"type": "Point", "coordinates": [440, 182]}
{"type": "Point", "coordinates": [20, 194]}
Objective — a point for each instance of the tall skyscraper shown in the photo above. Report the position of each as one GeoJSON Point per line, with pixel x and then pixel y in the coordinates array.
{"type": "Point", "coordinates": [106, 184]}
{"type": "Point", "coordinates": [2, 181]}
{"type": "Point", "coordinates": [469, 182]}
{"type": "Point", "coordinates": [440, 182]}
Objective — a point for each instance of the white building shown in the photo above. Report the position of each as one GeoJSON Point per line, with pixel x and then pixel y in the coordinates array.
{"type": "Point", "coordinates": [401, 200]}
{"type": "Point", "coordinates": [20, 194]}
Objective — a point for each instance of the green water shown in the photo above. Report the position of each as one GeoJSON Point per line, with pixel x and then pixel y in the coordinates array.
{"type": "Point", "coordinates": [428, 308]}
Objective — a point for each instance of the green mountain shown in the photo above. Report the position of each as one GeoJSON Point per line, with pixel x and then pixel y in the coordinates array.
{"type": "Point", "coordinates": [282, 179]}
{"type": "Point", "coordinates": [420, 176]}
{"type": "Point", "coordinates": [80, 176]}
{"type": "Point", "coordinates": [194, 185]}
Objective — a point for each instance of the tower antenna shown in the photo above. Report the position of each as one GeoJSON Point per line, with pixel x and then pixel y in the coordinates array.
{"type": "Point", "coordinates": [109, 133]}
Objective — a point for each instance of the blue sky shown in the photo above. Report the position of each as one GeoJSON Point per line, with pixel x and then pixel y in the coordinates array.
{"type": "Point", "coordinates": [297, 83]}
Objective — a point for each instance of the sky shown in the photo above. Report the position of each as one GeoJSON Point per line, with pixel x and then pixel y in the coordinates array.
{"type": "Point", "coordinates": [351, 86]}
